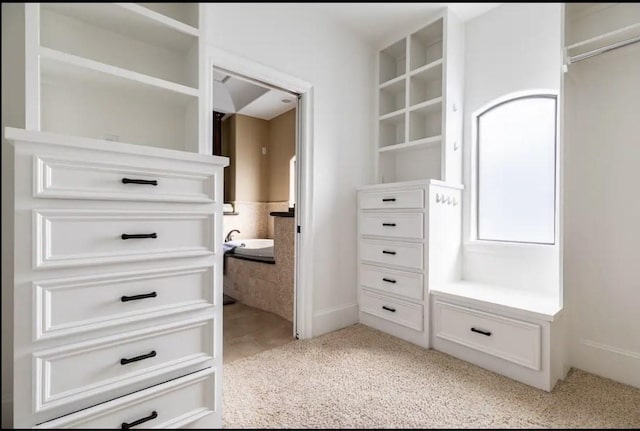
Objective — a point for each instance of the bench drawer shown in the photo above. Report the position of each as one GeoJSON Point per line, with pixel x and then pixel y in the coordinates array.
{"type": "Point", "coordinates": [510, 339]}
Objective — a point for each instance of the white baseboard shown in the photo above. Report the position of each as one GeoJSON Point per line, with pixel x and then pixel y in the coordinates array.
{"type": "Point", "coordinates": [607, 361]}
{"type": "Point", "coordinates": [332, 319]}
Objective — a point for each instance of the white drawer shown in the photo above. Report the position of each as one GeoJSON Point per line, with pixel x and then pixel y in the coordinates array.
{"type": "Point", "coordinates": [90, 237]}
{"type": "Point", "coordinates": [398, 311]}
{"type": "Point", "coordinates": [509, 339]}
{"type": "Point", "coordinates": [393, 199]}
{"type": "Point", "coordinates": [179, 403]}
{"type": "Point", "coordinates": [408, 255]}
{"type": "Point", "coordinates": [67, 178]}
{"type": "Point", "coordinates": [393, 225]}
{"type": "Point", "coordinates": [71, 305]}
{"type": "Point", "coordinates": [76, 371]}
{"type": "Point", "coordinates": [397, 282]}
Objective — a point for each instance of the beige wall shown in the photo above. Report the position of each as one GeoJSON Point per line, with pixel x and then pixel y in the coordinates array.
{"type": "Point", "coordinates": [282, 147]}
{"type": "Point", "coordinates": [251, 166]}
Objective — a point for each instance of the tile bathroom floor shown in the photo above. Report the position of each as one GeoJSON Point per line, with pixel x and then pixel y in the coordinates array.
{"type": "Point", "coordinates": [248, 331]}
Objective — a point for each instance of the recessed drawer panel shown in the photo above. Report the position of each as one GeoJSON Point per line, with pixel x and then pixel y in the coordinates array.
{"type": "Point", "coordinates": [91, 237]}
{"type": "Point", "coordinates": [73, 372]}
{"type": "Point", "coordinates": [398, 311]}
{"type": "Point", "coordinates": [393, 225]}
{"type": "Point", "coordinates": [398, 282]}
{"type": "Point", "coordinates": [408, 255]}
{"type": "Point", "coordinates": [403, 199]}
{"type": "Point", "coordinates": [175, 404]}
{"type": "Point", "coordinates": [68, 306]}
{"type": "Point", "coordinates": [87, 179]}
{"type": "Point", "coordinates": [509, 339]}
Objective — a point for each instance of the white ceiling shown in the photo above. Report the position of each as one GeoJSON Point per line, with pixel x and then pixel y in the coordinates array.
{"type": "Point", "coordinates": [269, 105]}
{"type": "Point", "coordinates": [377, 21]}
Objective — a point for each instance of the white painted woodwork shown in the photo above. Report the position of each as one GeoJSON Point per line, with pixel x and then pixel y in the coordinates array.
{"type": "Point", "coordinates": [91, 67]}
{"type": "Point", "coordinates": [426, 243]}
{"type": "Point", "coordinates": [393, 225]}
{"type": "Point", "coordinates": [419, 103]}
{"type": "Point", "coordinates": [181, 403]}
{"type": "Point", "coordinates": [392, 282]}
{"type": "Point", "coordinates": [396, 199]}
{"type": "Point", "coordinates": [88, 368]}
{"type": "Point", "coordinates": [74, 178]}
{"type": "Point", "coordinates": [88, 237]}
{"type": "Point", "coordinates": [393, 253]}
{"type": "Point", "coordinates": [402, 312]}
{"type": "Point", "coordinates": [522, 345]}
{"type": "Point", "coordinates": [72, 269]}
{"type": "Point", "coordinates": [70, 305]}
{"type": "Point", "coordinates": [509, 339]}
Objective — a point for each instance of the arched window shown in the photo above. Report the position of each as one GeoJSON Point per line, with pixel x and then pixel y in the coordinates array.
{"type": "Point", "coordinates": [515, 180]}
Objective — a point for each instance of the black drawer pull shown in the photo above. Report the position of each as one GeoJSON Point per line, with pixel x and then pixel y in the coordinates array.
{"type": "Point", "coordinates": [125, 361]}
{"type": "Point", "coordinates": [134, 181]}
{"type": "Point", "coordinates": [126, 426]}
{"type": "Point", "coordinates": [388, 280]}
{"type": "Point", "coordinates": [136, 297]}
{"type": "Point", "coordinates": [139, 235]}
{"type": "Point", "coordinates": [389, 224]}
{"type": "Point", "coordinates": [388, 199]}
{"type": "Point", "coordinates": [388, 252]}
{"type": "Point", "coordinates": [487, 333]}
{"type": "Point", "coordinates": [384, 307]}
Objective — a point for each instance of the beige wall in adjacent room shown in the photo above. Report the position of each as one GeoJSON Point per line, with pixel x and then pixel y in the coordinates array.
{"type": "Point", "coordinates": [282, 147]}
{"type": "Point", "coordinates": [251, 166]}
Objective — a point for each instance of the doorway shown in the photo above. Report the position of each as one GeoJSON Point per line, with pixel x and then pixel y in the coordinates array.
{"type": "Point", "coordinates": [257, 125]}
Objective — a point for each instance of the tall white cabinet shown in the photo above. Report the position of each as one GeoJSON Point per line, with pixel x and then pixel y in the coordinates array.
{"type": "Point", "coordinates": [117, 280]}
{"type": "Point", "coordinates": [410, 221]}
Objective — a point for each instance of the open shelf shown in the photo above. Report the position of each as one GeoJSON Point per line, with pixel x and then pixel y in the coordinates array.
{"type": "Point", "coordinates": [411, 163]}
{"type": "Point", "coordinates": [56, 66]}
{"type": "Point", "coordinates": [393, 97]}
{"type": "Point", "coordinates": [420, 143]}
{"type": "Point", "coordinates": [425, 122]}
{"type": "Point", "coordinates": [186, 13]}
{"type": "Point", "coordinates": [426, 45]}
{"type": "Point", "coordinates": [426, 83]}
{"type": "Point", "coordinates": [428, 106]}
{"type": "Point", "coordinates": [620, 35]}
{"type": "Point", "coordinates": [587, 22]}
{"type": "Point", "coordinates": [122, 36]}
{"type": "Point", "coordinates": [393, 61]}
{"type": "Point", "coordinates": [392, 129]}
{"type": "Point", "coordinates": [132, 20]}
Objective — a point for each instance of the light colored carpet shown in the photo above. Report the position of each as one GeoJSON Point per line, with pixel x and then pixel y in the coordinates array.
{"type": "Point", "coordinates": [361, 378]}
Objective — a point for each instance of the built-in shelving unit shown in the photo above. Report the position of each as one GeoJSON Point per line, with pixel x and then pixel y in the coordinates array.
{"type": "Point", "coordinates": [93, 67]}
{"type": "Point", "coordinates": [416, 121]}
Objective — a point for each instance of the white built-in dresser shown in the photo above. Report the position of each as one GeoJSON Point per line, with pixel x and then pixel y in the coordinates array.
{"type": "Point", "coordinates": [117, 281]}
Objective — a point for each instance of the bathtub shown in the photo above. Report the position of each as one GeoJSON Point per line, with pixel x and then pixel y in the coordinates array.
{"type": "Point", "coordinates": [253, 247]}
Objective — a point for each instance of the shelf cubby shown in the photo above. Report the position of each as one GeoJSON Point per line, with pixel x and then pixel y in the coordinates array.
{"type": "Point", "coordinates": [410, 164]}
{"type": "Point", "coordinates": [426, 45]}
{"type": "Point", "coordinates": [393, 61]}
{"type": "Point", "coordinates": [425, 122]}
{"type": "Point", "coordinates": [392, 129]}
{"type": "Point", "coordinates": [426, 83]}
{"type": "Point", "coordinates": [393, 97]}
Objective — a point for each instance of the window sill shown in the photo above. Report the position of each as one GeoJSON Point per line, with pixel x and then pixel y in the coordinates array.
{"type": "Point", "coordinates": [501, 248]}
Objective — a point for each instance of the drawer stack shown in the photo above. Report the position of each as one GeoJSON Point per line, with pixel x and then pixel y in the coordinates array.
{"type": "Point", "coordinates": [394, 246]}
{"type": "Point", "coordinates": [117, 275]}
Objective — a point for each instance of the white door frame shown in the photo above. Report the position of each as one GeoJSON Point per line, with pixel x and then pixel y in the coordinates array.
{"type": "Point", "coordinates": [303, 271]}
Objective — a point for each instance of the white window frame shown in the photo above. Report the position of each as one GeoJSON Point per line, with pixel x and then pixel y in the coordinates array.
{"type": "Point", "coordinates": [474, 189]}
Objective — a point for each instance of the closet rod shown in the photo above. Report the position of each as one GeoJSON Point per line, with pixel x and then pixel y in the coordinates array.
{"type": "Point", "coordinates": [603, 49]}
